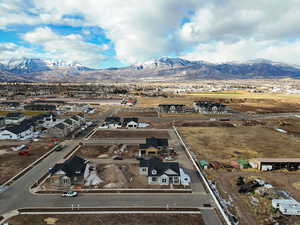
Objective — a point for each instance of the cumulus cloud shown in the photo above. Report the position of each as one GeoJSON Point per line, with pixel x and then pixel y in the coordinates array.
{"type": "Point", "coordinates": [11, 50]}
{"type": "Point", "coordinates": [141, 30]}
{"type": "Point", "coordinates": [68, 47]}
{"type": "Point", "coordinates": [287, 52]}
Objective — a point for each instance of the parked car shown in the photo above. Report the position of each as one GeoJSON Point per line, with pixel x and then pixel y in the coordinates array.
{"type": "Point", "coordinates": [117, 157]}
{"type": "Point", "coordinates": [59, 148]}
{"type": "Point", "coordinates": [69, 194]}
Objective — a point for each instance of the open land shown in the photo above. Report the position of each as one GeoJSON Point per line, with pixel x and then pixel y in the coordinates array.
{"type": "Point", "coordinates": [231, 143]}
{"type": "Point", "coordinates": [113, 219]}
{"type": "Point", "coordinates": [12, 163]}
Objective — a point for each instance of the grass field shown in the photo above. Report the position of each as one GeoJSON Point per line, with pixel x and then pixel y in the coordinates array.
{"type": "Point", "coordinates": [228, 143]}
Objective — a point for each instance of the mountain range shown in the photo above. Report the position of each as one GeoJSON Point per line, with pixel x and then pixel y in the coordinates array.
{"type": "Point", "coordinates": [168, 69]}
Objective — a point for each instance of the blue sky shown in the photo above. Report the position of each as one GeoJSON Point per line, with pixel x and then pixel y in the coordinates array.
{"type": "Point", "coordinates": [116, 33]}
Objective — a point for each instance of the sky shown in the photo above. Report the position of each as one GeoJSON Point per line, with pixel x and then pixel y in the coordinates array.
{"type": "Point", "coordinates": [116, 33]}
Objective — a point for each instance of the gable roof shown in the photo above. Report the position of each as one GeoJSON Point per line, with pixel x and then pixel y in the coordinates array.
{"type": "Point", "coordinates": [60, 126]}
{"type": "Point", "coordinates": [167, 168]}
{"type": "Point", "coordinates": [15, 115]}
{"type": "Point", "coordinates": [74, 166]}
{"type": "Point", "coordinates": [68, 121]}
{"type": "Point", "coordinates": [18, 129]}
{"type": "Point", "coordinates": [127, 120]}
{"type": "Point", "coordinates": [155, 142]}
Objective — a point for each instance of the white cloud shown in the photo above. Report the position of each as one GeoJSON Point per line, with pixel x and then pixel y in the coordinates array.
{"type": "Point", "coordinates": [68, 47]}
{"type": "Point", "coordinates": [143, 29]}
{"type": "Point", "coordinates": [287, 52]}
{"type": "Point", "coordinates": [10, 50]}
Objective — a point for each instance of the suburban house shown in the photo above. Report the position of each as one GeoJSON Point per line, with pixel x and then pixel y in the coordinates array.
{"type": "Point", "coordinates": [113, 122]}
{"type": "Point", "coordinates": [71, 124]}
{"type": "Point", "coordinates": [131, 122]}
{"type": "Point", "coordinates": [14, 118]}
{"type": "Point", "coordinates": [16, 132]}
{"type": "Point", "coordinates": [40, 107]}
{"type": "Point", "coordinates": [67, 173]}
{"type": "Point", "coordinates": [60, 130]}
{"type": "Point", "coordinates": [171, 108]}
{"type": "Point", "coordinates": [153, 146]}
{"type": "Point", "coordinates": [163, 173]}
{"type": "Point", "coordinates": [209, 107]}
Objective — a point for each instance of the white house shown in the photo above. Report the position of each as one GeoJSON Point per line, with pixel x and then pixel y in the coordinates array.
{"type": "Point", "coordinates": [16, 132]}
{"type": "Point", "coordinates": [162, 173]}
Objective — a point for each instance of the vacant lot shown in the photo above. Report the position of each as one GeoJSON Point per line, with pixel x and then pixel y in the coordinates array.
{"type": "Point", "coordinates": [112, 219]}
{"type": "Point", "coordinates": [107, 151]}
{"type": "Point", "coordinates": [11, 162]}
{"type": "Point", "coordinates": [291, 125]}
{"type": "Point", "coordinates": [130, 134]}
{"type": "Point", "coordinates": [227, 143]}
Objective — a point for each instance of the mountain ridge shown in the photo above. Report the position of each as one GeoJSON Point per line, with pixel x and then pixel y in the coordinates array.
{"type": "Point", "coordinates": [164, 68]}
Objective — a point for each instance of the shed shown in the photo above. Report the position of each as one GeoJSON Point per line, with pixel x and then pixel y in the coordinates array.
{"type": "Point", "coordinates": [203, 164]}
{"type": "Point", "coordinates": [216, 165]}
{"type": "Point", "coordinates": [244, 164]}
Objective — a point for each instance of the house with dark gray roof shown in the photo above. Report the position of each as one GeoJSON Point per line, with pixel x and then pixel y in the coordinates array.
{"type": "Point", "coordinates": [209, 107]}
{"type": "Point", "coordinates": [159, 172]}
{"type": "Point", "coordinates": [14, 118]}
{"type": "Point", "coordinates": [171, 108]}
{"type": "Point", "coordinates": [16, 132]}
{"type": "Point", "coordinates": [70, 172]}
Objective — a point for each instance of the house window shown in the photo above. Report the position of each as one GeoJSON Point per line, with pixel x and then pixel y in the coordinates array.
{"type": "Point", "coordinates": [144, 169]}
{"type": "Point", "coordinates": [154, 179]}
{"type": "Point", "coordinates": [164, 180]}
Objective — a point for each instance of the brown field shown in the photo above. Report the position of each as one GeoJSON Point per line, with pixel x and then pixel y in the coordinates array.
{"type": "Point", "coordinates": [291, 125]}
{"type": "Point", "coordinates": [26, 113]}
{"type": "Point", "coordinates": [225, 144]}
{"type": "Point", "coordinates": [241, 101]}
{"type": "Point", "coordinates": [11, 163]}
{"type": "Point", "coordinates": [112, 219]}
{"type": "Point", "coordinates": [130, 134]}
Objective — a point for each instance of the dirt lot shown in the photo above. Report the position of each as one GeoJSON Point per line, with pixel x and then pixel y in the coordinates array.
{"type": "Point", "coordinates": [130, 134]}
{"type": "Point", "coordinates": [227, 143]}
{"type": "Point", "coordinates": [113, 219]}
{"type": "Point", "coordinates": [244, 207]}
{"type": "Point", "coordinates": [291, 125]}
{"type": "Point", "coordinates": [107, 151]}
{"type": "Point", "coordinates": [11, 163]}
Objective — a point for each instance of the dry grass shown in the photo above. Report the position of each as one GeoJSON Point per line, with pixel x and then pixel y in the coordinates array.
{"type": "Point", "coordinates": [130, 134]}
{"type": "Point", "coordinates": [225, 144]}
{"type": "Point", "coordinates": [113, 219]}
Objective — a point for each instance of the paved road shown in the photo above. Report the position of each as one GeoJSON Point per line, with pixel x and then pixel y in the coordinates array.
{"type": "Point", "coordinates": [18, 195]}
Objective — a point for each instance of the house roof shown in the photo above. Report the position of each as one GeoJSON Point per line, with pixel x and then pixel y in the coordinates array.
{"type": "Point", "coordinates": [73, 166]}
{"type": "Point", "coordinates": [75, 118]}
{"type": "Point", "coordinates": [113, 119]}
{"type": "Point", "coordinates": [155, 164]}
{"type": "Point", "coordinates": [60, 126]}
{"type": "Point", "coordinates": [18, 129]}
{"type": "Point", "coordinates": [68, 121]}
{"type": "Point", "coordinates": [127, 120]}
{"type": "Point", "coordinates": [155, 142]}
{"type": "Point", "coordinates": [14, 115]}
{"type": "Point", "coordinates": [276, 160]}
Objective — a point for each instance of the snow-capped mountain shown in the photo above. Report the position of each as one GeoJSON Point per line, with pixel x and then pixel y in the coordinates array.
{"type": "Point", "coordinates": [165, 68]}
{"type": "Point", "coordinates": [164, 62]}
{"type": "Point", "coordinates": [30, 65]}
